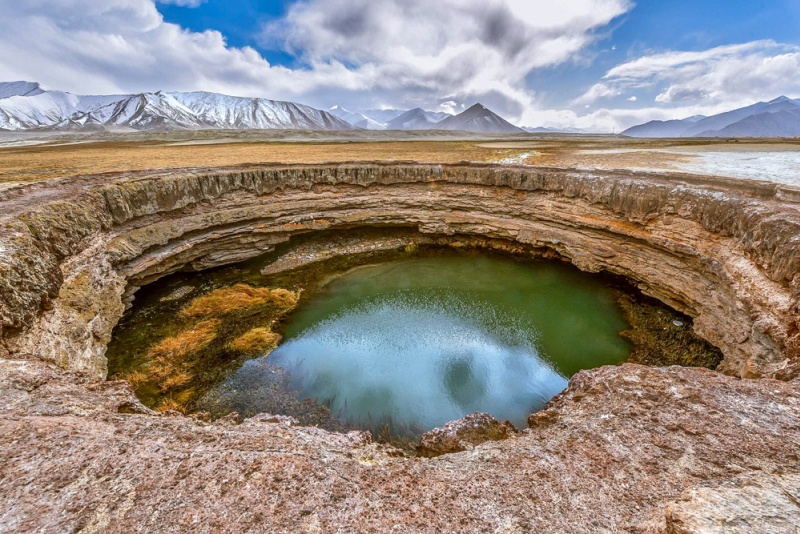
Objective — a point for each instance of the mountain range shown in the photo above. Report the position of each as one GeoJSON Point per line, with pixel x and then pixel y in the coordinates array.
{"type": "Point", "coordinates": [477, 118]}
{"type": "Point", "coordinates": [776, 118]}
{"type": "Point", "coordinates": [29, 106]}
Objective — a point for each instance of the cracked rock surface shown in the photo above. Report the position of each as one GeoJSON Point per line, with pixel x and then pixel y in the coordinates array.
{"type": "Point", "coordinates": [625, 448]}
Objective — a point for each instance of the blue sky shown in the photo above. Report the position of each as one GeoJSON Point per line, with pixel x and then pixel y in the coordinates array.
{"type": "Point", "coordinates": [596, 64]}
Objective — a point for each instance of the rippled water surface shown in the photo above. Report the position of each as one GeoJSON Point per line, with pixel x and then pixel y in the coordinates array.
{"type": "Point", "coordinates": [416, 343]}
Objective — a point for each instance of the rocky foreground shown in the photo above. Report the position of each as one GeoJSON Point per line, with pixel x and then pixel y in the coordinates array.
{"type": "Point", "coordinates": [625, 448]}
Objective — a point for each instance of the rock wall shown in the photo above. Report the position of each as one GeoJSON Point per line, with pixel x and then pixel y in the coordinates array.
{"type": "Point", "coordinates": [725, 252]}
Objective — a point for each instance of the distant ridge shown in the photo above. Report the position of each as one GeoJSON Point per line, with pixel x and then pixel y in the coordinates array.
{"type": "Point", "coordinates": [356, 119]}
{"type": "Point", "coordinates": [416, 119]}
{"type": "Point", "coordinates": [479, 119]}
{"type": "Point", "coordinates": [777, 118]}
{"type": "Point", "coordinates": [27, 106]}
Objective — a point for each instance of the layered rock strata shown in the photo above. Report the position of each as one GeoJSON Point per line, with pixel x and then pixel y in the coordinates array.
{"type": "Point", "coordinates": [725, 252]}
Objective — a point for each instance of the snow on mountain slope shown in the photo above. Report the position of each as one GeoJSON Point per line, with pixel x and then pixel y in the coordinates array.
{"type": "Point", "coordinates": [359, 120]}
{"type": "Point", "coordinates": [383, 116]}
{"type": "Point", "coordinates": [214, 110]}
{"type": "Point", "coordinates": [416, 119]}
{"type": "Point", "coordinates": [157, 111]}
{"type": "Point", "coordinates": [47, 109]}
{"type": "Point", "coordinates": [8, 89]}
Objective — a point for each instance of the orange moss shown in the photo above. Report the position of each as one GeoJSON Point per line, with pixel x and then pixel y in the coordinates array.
{"type": "Point", "coordinates": [175, 380]}
{"type": "Point", "coordinates": [175, 349]}
{"type": "Point", "coordinates": [240, 297]}
{"type": "Point", "coordinates": [134, 378]}
{"type": "Point", "coordinates": [168, 356]}
{"type": "Point", "coordinates": [255, 341]}
{"type": "Point", "coordinates": [171, 405]}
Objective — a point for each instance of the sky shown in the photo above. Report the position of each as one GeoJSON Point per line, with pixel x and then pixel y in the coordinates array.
{"type": "Point", "coordinates": [600, 65]}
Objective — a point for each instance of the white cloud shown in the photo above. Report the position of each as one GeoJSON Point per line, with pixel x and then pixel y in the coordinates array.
{"type": "Point", "coordinates": [450, 107]}
{"type": "Point", "coordinates": [731, 75]}
{"type": "Point", "coordinates": [353, 52]}
{"type": "Point", "coordinates": [183, 3]}
{"type": "Point", "coordinates": [690, 83]}
{"type": "Point", "coordinates": [595, 93]}
{"type": "Point", "coordinates": [633, 99]}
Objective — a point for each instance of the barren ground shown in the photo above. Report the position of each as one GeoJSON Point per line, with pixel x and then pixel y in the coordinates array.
{"type": "Point", "coordinates": [28, 159]}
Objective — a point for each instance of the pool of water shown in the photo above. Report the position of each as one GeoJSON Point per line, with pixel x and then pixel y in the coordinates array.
{"type": "Point", "coordinates": [409, 345]}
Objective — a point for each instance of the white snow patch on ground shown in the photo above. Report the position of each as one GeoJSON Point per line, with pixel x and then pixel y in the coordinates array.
{"type": "Point", "coordinates": [779, 166]}
{"type": "Point", "coordinates": [519, 159]}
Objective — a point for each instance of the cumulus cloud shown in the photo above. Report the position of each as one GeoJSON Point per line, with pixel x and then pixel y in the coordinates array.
{"type": "Point", "coordinates": [726, 75]}
{"type": "Point", "coordinates": [461, 50]}
{"type": "Point", "coordinates": [359, 53]}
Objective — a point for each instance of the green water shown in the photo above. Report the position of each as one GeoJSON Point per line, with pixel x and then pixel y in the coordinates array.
{"type": "Point", "coordinates": [415, 343]}
{"type": "Point", "coordinates": [572, 315]}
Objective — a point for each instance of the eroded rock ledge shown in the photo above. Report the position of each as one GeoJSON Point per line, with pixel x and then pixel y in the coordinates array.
{"type": "Point", "coordinates": [625, 448]}
{"type": "Point", "coordinates": [725, 252]}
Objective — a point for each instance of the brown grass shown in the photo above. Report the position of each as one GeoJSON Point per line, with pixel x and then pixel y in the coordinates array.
{"type": "Point", "coordinates": [176, 348]}
{"type": "Point", "coordinates": [134, 378]}
{"type": "Point", "coordinates": [175, 380]}
{"type": "Point", "coordinates": [240, 297]}
{"type": "Point", "coordinates": [168, 356]}
{"type": "Point", "coordinates": [22, 164]}
{"type": "Point", "coordinates": [171, 405]}
{"type": "Point", "coordinates": [255, 341]}
{"type": "Point", "coordinates": [43, 162]}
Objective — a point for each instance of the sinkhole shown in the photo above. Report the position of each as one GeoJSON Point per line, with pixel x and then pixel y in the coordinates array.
{"type": "Point", "coordinates": [397, 345]}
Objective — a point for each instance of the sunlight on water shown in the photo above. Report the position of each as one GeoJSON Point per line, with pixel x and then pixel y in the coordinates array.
{"type": "Point", "coordinates": [419, 360]}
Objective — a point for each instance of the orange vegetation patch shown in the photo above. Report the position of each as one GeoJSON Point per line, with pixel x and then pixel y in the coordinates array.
{"type": "Point", "coordinates": [168, 357]}
{"type": "Point", "coordinates": [176, 348]}
{"type": "Point", "coordinates": [240, 297]}
{"type": "Point", "coordinates": [134, 378]}
{"type": "Point", "coordinates": [255, 341]}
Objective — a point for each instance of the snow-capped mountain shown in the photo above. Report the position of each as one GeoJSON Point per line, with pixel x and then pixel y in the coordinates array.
{"type": "Point", "coordinates": [20, 89]}
{"type": "Point", "coordinates": [478, 119]}
{"type": "Point", "coordinates": [28, 106]}
{"type": "Point", "coordinates": [776, 118]}
{"type": "Point", "coordinates": [358, 120]}
{"type": "Point", "coordinates": [417, 119]}
{"type": "Point", "coordinates": [383, 115]}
